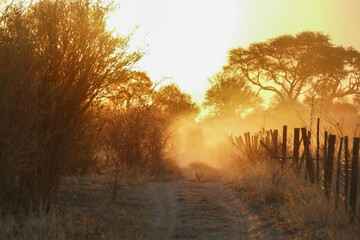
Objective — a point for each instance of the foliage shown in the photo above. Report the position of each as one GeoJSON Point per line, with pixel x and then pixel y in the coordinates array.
{"type": "Point", "coordinates": [229, 94]}
{"type": "Point", "coordinates": [339, 76]}
{"type": "Point", "coordinates": [136, 132]}
{"type": "Point", "coordinates": [136, 88]}
{"type": "Point", "coordinates": [84, 156]}
{"type": "Point", "coordinates": [136, 138]}
{"type": "Point", "coordinates": [56, 57]}
{"type": "Point", "coordinates": [171, 100]}
{"type": "Point", "coordinates": [292, 66]}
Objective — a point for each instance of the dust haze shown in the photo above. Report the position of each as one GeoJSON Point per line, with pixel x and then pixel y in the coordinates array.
{"type": "Point", "coordinates": [207, 140]}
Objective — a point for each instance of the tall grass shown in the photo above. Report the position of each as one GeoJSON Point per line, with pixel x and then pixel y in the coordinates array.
{"type": "Point", "coordinates": [299, 205]}
{"type": "Point", "coordinates": [44, 226]}
{"type": "Point", "coordinates": [83, 210]}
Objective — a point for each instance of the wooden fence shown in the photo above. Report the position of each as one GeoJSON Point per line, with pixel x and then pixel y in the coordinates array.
{"type": "Point", "coordinates": [318, 169]}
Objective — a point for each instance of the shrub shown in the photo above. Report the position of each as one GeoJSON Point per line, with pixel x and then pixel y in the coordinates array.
{"type": "Point", "coordinates": [56, 57]}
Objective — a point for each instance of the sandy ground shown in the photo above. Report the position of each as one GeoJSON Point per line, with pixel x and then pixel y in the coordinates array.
{"type": "Point", "coordinates": [86, 202]}
{"type": "Point", "coordinates": [202, 205]}
{"type": "Point", "coordinates": [202, 210]}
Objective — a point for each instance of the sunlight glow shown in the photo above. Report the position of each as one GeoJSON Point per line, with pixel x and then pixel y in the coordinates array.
{"type": "Point", "coordinates": [188, 40]}
{"type": "Point", "coordinates": [185, 40]}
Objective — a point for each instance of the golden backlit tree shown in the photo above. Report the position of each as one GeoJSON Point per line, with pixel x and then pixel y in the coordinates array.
{"type": "Point", "coordinates": [136, 88]}
{"type": "Point", "coordinates": [230, 95]}
{"type": "Point", "coordinates": [292, 66]}
{"type": "Point", "coordinates": [56, 60]}
{"type": "Point", "coordinates": [174, 102]}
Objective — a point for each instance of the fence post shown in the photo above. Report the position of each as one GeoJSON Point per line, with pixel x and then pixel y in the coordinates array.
{"type": "Point", "coordinates": [317, 151]}
{"type": "Point", "coordinates": [309, 163]}
{"type": "Point", "coordinates": [284, 143]}
{"type": "Point", "coordinates": [325, 147]}
{"type": "Point", "coordinates": [296, 147]}
{"type": "Point", "coordinates": [354, 175]}
{"type": "Point", "coordinates": [338, 173]}
{"type": "Point", "coordinates": [346, 191]}
{"type": "Point", "coordinates": [328, 167]}
{"type": "Point", "coordinates": [275, 135]}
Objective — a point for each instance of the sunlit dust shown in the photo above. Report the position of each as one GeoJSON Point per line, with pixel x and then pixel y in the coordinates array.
{"type": "Point", "coordinates": [187, 42]}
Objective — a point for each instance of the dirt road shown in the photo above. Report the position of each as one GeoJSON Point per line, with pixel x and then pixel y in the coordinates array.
{"type": "Point", "coordinates": [202, 210]}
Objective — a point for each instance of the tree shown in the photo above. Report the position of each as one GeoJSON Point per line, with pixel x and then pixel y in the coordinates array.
{"type": "Point", "coordinates": [229, 94]}
{"type": "Point", "coordinates": [56, 60]}
{"type": "Point", "coordinates": [170, 99]}
{"type": "Point", "coordinates": [339, 75]}
{"type": "Point", "coordinates": [289, 66]}
{"type": "Point", "coordinates": [135, 89]}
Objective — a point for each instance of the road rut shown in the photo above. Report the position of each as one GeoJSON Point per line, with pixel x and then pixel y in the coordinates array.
{"type": "Point", "coordinates": [202, 210]}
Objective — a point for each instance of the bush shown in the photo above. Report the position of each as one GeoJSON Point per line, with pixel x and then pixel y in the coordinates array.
{"type": "Point", "coordinates": [137, 137]}
{"type": "Point", "coordinates": [56, 57]}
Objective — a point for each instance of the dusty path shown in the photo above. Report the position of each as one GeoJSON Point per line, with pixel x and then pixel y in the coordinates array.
{"type": "Point", "coordinates": [163, 219]}
{"type": "Point", "coordinates": [202, 210]}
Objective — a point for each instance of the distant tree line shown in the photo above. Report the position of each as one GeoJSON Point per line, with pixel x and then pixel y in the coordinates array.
{"type": "Point", "coordinates": [295, 68]}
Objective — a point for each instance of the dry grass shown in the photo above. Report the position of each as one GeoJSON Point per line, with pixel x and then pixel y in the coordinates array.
{"type": "Point", "coordinates": [83, 210]}
{"type": "Point", "coordinates": [44, 226]}
{"type": "Point", "coordinates": [299, 207]}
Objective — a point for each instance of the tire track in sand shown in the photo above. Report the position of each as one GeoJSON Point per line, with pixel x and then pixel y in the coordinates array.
{"type": "Point", "coordinates": [203, 210]}
{"type": "Point", "coordinates": [244, 224]}
{"type": "Point", "coordinates": [164, 213]}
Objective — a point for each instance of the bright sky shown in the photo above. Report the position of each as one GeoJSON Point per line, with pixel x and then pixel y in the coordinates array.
{"type": "Point", "coordinates": [188, 40]}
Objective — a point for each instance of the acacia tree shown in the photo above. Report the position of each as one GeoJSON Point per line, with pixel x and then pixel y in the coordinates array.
{"type": "Point", "coordinates": [229, 94]}
{"type": "Point", "coordinates": [56, 57]}
{"type": "Point", "coordinates": [289, 66]}
{"type": "Point", "coordinates": [171, 100]}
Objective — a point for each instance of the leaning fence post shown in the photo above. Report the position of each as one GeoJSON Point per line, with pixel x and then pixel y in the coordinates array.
{"type": "Point", "coordinates": [248, 145]}
{"type": "Point", "coordinates": [284, 143]}
{"type": "Point", "coordinates": [338, 173]}
{"type": "Point", "coordinates": [247, 140]}
{"type": "Point", "coordinates": [317, 150]}
{"type": "Point", "coordinates": [346, 191]}
{"type": "Point", "coordinates": [309, 163]}
{"type": "Point", "coordinates": [267, 138]}
{"type": "Point", "coordinates": [354, 175]}
{"type": "Point", "coordinates": [328, 167]}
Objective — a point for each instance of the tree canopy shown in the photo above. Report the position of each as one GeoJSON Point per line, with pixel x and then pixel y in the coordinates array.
{"type": "Point", "coordinates": [292, 66]}
{"type": "Point", "coordinates": [136, 88]}
{"type": "Point", "coordinates": [175, 102]}
{"type": "Point", "coordinates": [229, 94]}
